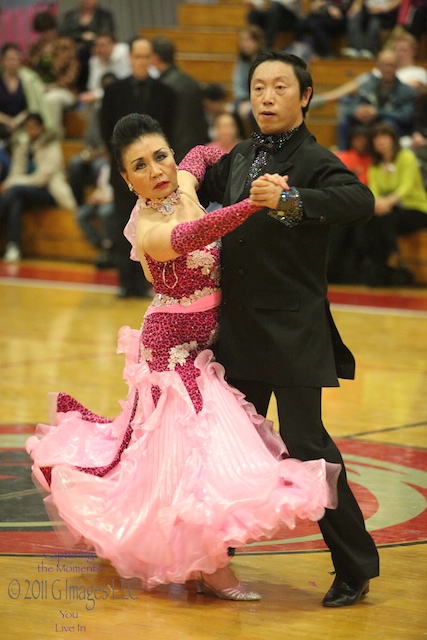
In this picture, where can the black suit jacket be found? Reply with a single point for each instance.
(118, 101)
(275, 321)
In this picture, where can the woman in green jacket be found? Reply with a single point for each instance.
(395, 180)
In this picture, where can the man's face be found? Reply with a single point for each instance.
(33, 129)
(141, 58)
(387, 64)
(405, 52)
(104, 46)
(275, 97)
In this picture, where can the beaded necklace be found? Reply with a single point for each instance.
(166, 205)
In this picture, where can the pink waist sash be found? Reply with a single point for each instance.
(202, 304)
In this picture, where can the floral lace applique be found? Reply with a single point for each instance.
(179, 354)
(201, 259)
(146, 354)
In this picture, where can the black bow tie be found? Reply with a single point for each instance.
(273, 142)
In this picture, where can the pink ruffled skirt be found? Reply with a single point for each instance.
(162, 491)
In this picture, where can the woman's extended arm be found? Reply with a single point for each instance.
(166, 241)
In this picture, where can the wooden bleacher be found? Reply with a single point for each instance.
(206, 38)
(52, 232)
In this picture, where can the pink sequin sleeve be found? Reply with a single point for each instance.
(198, 159)
(196, 234)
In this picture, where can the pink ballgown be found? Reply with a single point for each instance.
(187, 469)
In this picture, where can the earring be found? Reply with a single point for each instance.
(130, 187)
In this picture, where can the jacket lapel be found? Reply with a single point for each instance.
(239, 172)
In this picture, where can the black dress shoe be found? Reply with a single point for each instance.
(342, 594)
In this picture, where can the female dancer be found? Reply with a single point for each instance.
(187, 469)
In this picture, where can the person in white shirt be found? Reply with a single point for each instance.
(108, 56)
(96, 217)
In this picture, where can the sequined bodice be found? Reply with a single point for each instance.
(187, 278)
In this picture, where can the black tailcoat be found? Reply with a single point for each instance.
(276, 331)
(275, 320)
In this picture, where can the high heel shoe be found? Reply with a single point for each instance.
(239, 592)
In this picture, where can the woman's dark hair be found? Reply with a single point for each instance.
(257, 35)
(214, 92)
(384, 128)
(237, 121)
(164, 48)
(10, 46)
(44, 21)
(129, 129)
(298, 65)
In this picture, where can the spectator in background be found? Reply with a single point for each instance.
(190, 128)
(96, 217)
(408, 71)
(4, 164)
(214, 102)
(405, 46)
(61, 94)
(36, 177)
(90, 170)
(84, 167)
(21, 91)
(383, 98)
(358, 158)
(82, 25)
(227, 132)
(345, 259)
(395, 180)
(365, 20)
(419, 147)
(325, 19)
(278, 15)
(108, 56)
(250, 44)
(139, 93)
(418, 25)
(39, 55)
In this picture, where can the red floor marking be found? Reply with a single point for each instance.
(16, 429)
(361, 456)
(389, 300)
(64, 273)
(38, 542)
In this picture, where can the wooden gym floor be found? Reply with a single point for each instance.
(58, 329)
